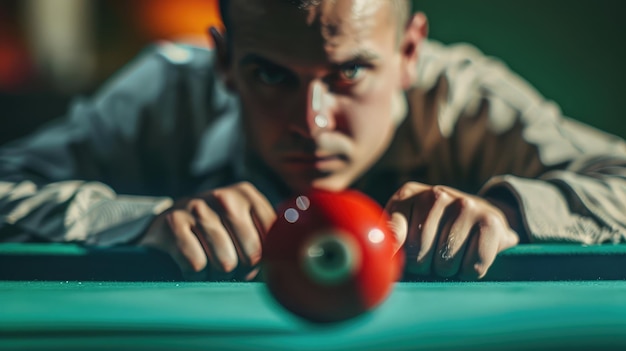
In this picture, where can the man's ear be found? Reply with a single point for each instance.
(414, 34)
(223, 62)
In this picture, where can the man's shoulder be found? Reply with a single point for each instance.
(174, 56)
(165, 58)
(160, 68)
(471, 75)
(182, 54)
(437, 59)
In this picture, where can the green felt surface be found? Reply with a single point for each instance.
(543, 262)
(241, 316)
(528, 249)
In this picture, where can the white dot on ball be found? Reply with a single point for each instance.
(291, 215)
(321, 121)
(376, 236)
(303, 203)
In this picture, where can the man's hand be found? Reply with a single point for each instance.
(223, 227)
(448, 233)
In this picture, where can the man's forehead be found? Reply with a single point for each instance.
(339, 26)
(351, 17)
(257, 7)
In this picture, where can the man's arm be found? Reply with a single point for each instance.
(566, 180)
(64, 183)
(497, 164)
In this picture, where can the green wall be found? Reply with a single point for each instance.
(573, 52)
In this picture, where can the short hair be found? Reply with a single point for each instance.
(401, 9)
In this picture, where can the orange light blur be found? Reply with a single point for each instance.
(169, 19)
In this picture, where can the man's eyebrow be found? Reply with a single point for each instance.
(361, 56)
(252, 59)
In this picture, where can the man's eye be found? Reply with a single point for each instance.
(271, 76)
(351, 72)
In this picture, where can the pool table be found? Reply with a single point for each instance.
(537, 297)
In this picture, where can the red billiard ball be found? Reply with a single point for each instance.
(330, 256)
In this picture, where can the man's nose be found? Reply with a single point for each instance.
(317, 115)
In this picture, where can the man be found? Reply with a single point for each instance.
(190, 150)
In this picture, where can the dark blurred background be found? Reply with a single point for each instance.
(572, 51)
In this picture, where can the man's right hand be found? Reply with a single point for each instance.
(223, 228)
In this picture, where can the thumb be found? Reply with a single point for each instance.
(399, 226)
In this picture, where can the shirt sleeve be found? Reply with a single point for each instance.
(567, 179)
(61, 183)
(583, 201)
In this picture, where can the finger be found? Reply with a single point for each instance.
(247, 216)
(453, 238)
(398, 224)
(399, 213)
(218, 243)
(252, 275)
(422, 263)
(511, 238)
(408, 191)
(261, 210)
(245, 236)
(481, 254)
(469, 270)
(421, 206)
(401, 210)
(187, 252)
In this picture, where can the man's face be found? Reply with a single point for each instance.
(317, 86)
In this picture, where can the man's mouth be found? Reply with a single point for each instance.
(314, 161)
